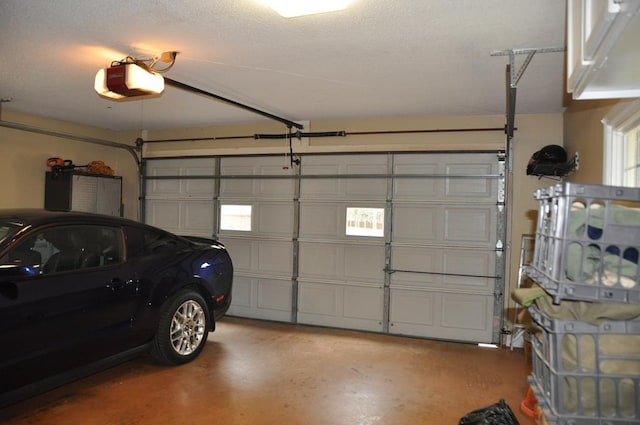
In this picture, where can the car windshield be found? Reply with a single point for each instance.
(7, 229)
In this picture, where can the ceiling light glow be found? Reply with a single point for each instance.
(293, 8)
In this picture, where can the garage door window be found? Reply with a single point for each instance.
(365, 221)
(235, 217)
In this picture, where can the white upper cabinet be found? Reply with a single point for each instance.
(603, 48)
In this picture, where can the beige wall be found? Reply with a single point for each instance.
(24, 155)
(583, 133)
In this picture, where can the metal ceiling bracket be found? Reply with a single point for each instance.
(515, 76)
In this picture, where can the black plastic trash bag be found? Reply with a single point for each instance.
(497, 414)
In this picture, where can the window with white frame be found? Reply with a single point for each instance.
(622, 145)
(235, 217)
(365, 221)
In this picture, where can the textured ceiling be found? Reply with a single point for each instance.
(377, 58)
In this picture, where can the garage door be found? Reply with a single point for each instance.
(262, 246)
(443, 250)
(391, 242)
(341, 273)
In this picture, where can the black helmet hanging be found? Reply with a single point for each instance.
(551, 154)
(548, 161)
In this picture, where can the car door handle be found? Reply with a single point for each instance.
(118, 284)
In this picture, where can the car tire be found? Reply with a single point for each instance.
(182, 329)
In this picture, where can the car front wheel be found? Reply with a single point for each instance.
(182, 329)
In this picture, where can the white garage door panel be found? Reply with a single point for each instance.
(240, 294)
(180, 164)
(445, 224)
(357, 188)
(198, 218)
(465, 312)
(198, 187)
(194, 218)
(417, 223)
(181, 187)
(460, 317)
(470, 224)
(274, 258)
(322, 220)
(417, 188)
(261, 188)
(275, 187)
(241, 253)
(259, 298)
(344, 188)
(341, 306)
(362, 262)
(273, 219)
(478, 266)
(164, 214)
(330, 261)
(321, 188)
(426, 267)
(260, 257)
(412, 308)
(319, 260)
(164, 187)
(344, 164)
(467, 188)
(362, 302)
(236, 187)
(315, 299)
(482, 189)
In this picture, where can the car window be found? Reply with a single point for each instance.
(143, 242)
(66, 248)
(8, 229)
(22, 253)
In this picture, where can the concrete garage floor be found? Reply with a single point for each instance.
(255, 372)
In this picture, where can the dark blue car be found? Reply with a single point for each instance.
(79, 292)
